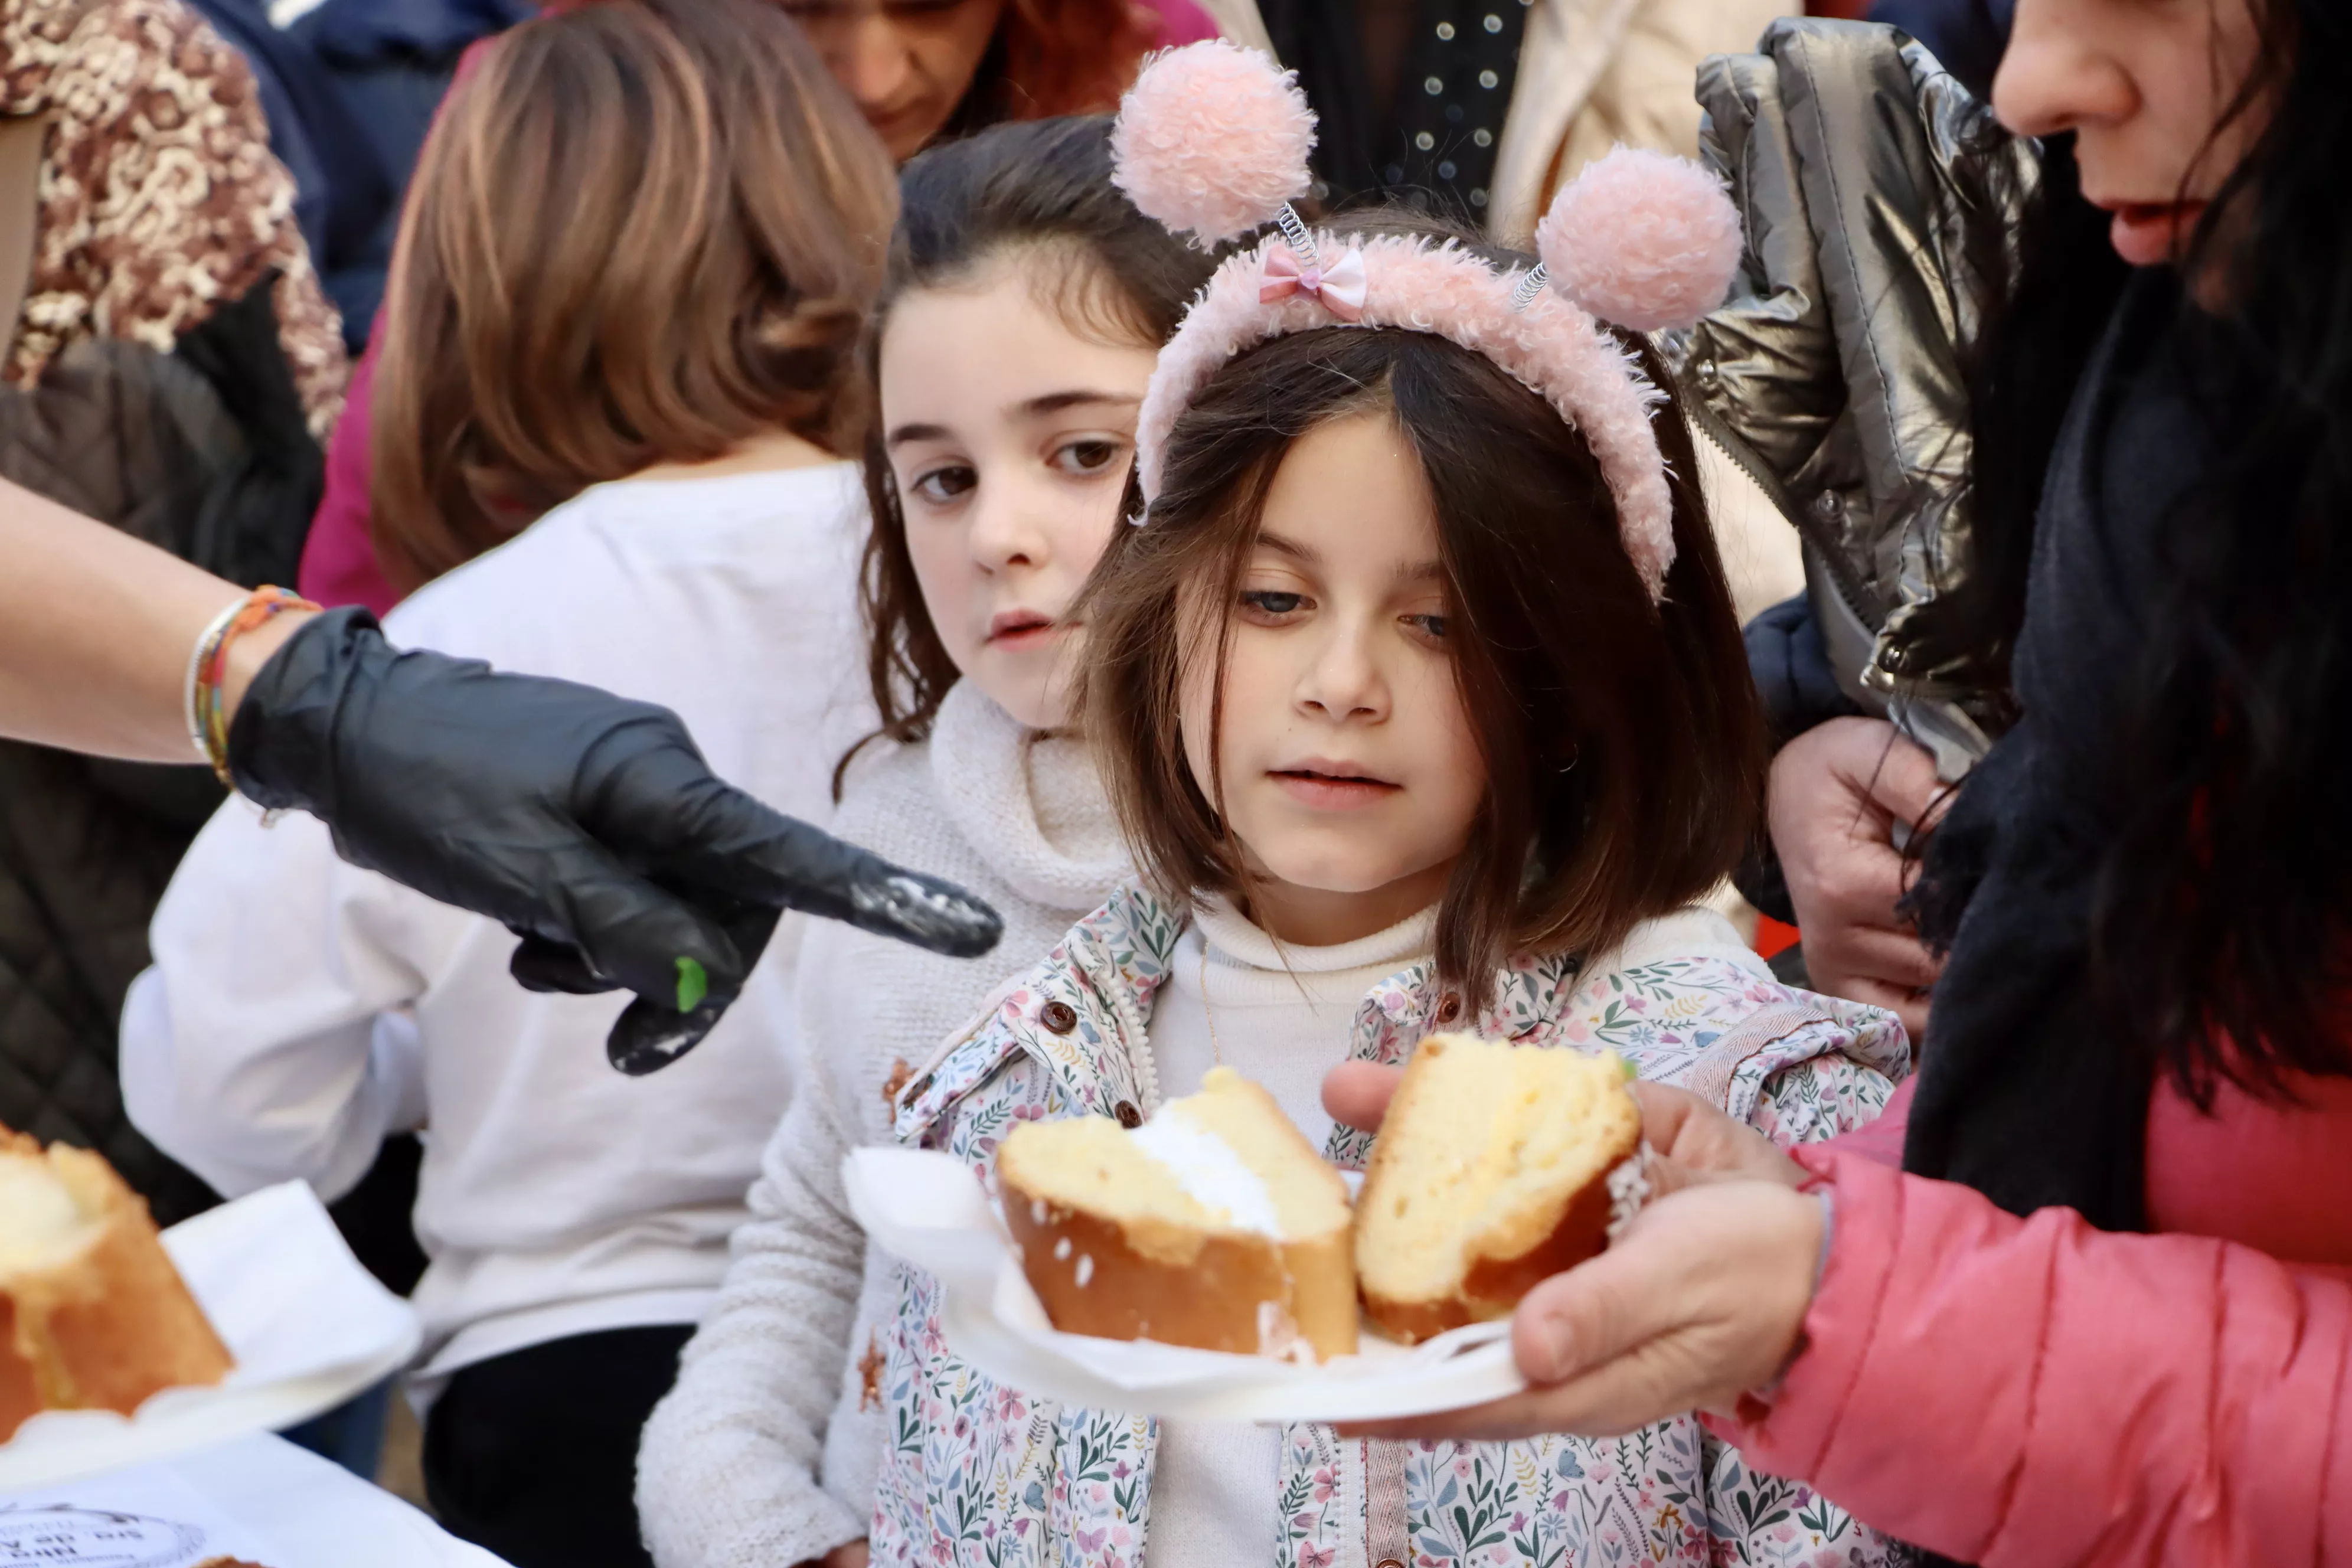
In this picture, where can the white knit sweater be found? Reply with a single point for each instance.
(764, 1453)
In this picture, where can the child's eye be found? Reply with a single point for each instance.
(940, 486)
(1090, 455)
(1431, 626)
(1271, 604)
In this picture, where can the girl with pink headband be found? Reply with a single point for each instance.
(1419, 697)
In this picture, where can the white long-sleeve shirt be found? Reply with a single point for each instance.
(300, 1009)
(1281, 1015)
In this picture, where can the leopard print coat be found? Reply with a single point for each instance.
(159, 196)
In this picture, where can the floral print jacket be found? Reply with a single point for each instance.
(978, 1474)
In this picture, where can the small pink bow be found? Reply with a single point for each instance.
(1340, 285)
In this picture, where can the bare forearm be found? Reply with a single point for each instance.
(95, 633)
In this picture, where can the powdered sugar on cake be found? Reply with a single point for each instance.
(1212, 1174)
(39, 1222)
(1278, 1336)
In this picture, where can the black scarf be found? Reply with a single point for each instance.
(2026, 1093)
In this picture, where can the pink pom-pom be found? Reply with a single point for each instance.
(1643, 239)
(1213, 139)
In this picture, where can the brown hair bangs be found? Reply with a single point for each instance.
(1622, 742)
(1040, 194)
(642, 231)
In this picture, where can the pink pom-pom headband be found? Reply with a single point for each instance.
(1550, 346)
(1213, 139)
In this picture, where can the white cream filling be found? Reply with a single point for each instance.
(1210, 1172)
(40, 1224)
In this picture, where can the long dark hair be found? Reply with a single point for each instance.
(2218, 923)
(1622, 742)
(1042, 188)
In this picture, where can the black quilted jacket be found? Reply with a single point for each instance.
(203, 452)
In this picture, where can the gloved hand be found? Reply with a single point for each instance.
(588, 824)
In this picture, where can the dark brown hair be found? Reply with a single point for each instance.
(1623, 749)
(641, 231)
(1042, 189)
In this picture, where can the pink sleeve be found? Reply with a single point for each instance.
(2021, 1392)
(1181, 23)
(339, 559)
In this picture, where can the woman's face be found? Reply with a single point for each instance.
(1010, 437)
(2142, 84)
(1348, 769)
(907, 62)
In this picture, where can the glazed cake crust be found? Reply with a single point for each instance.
(107, 1326)
(1118, 1246)
(1094, 1279)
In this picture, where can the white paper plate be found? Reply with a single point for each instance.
(926, 1209)
(308, 1328)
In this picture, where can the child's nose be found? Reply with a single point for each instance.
(1003, 532)
(1343, 680)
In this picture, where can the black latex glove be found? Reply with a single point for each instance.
(588, 824)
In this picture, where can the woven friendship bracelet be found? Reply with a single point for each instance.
(208, 667)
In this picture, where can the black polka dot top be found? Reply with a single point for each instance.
(1434, 143)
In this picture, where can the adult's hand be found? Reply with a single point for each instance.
(587, 824)
(1837, 792)
(1700, 1300)
(1357, 1094)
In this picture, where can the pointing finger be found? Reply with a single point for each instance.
(784, 862)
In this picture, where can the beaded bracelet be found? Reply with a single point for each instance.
(208, 667)
(206, 642)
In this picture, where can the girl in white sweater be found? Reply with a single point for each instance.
(1025, 303)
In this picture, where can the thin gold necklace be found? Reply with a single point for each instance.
(1208, 1012)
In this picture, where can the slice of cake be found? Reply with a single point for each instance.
(1492, 1171)
(92, 1314)
(1213, 1225)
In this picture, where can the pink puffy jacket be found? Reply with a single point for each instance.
(2031, 1392)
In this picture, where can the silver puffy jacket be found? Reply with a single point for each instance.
(1878, 196)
